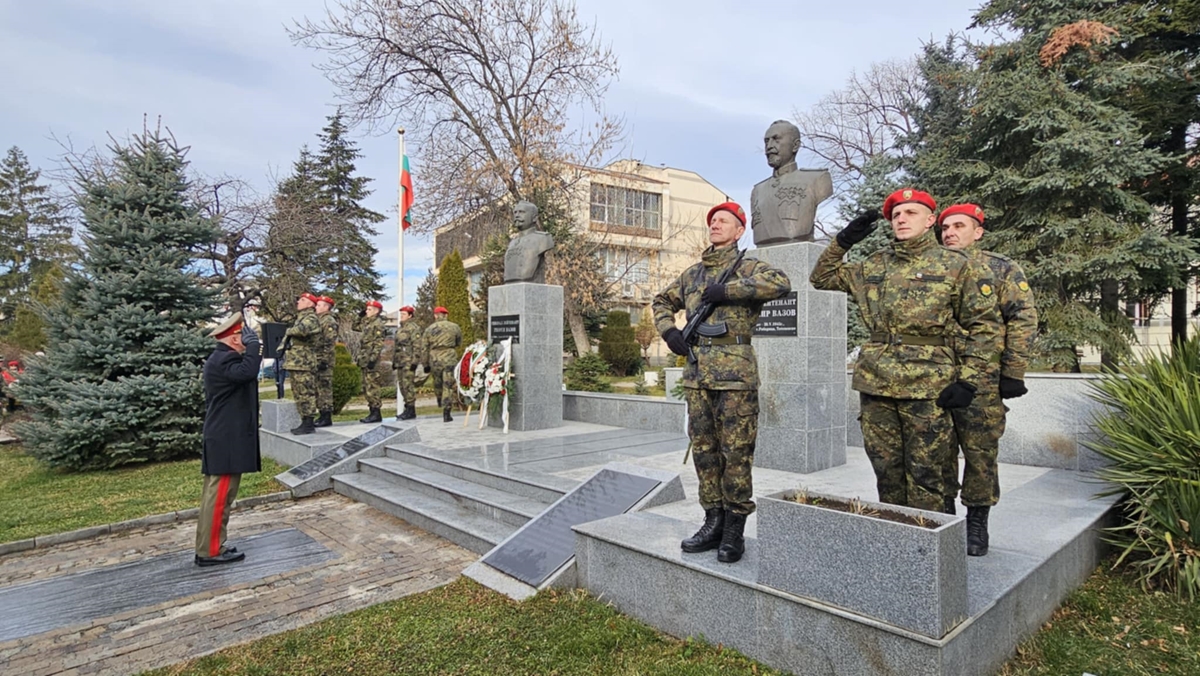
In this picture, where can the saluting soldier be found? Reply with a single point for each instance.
(442, 340)
(369, 352)
(979, 426)
(409, 351)
(721, 387)
(305, 339)
(915, 297)
(325, 360)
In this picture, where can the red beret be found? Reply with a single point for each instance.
(441, 310)
(971, 210)
(14, 363)
(311, 297)
(905, 196)
(326, 299)
(732, 207)
(409, 309)
(375, 303)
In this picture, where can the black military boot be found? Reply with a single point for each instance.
(709, 535)
(372, 417)
(446, 414)
(977, 535)
(306, 426)
(439, 401)
(410, 412)
(949, 504)
(325, 420)
(733, 545)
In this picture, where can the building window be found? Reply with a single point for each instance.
(626, 211)
(628, 270)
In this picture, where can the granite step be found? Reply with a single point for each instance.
(465, 527)
(544, 488)
(500, 505)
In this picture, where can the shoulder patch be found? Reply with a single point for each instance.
(985, 287)
(1023, 285)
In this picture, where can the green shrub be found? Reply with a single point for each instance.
(347, 378)
(587, 372)
(618, 346)
(1151, 436)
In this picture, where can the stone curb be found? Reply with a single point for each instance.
(52, 539)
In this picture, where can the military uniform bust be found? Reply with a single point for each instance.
(784, 207)
(525, 260)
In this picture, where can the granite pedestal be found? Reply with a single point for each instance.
(536, 401)
(803, 383)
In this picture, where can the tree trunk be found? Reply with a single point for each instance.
(578, 329)
(1110, 297)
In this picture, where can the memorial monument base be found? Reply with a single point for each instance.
(532, 315)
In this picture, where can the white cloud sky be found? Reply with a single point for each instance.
(700, 81)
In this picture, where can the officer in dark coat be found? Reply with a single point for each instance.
(230, 434)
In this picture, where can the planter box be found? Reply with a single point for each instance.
(906, 575)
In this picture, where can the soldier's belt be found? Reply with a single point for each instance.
(703, 341)
(902, 339)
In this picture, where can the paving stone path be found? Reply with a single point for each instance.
(379, 558)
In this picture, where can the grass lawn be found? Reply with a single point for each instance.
(35, 500)
(464, 628)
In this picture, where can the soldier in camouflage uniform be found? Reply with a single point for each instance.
(325, 359)
(721, 386)
(979, 426)
(369, 352)
(408, 353)
(304, 338)
(915, 297)
(442, 339)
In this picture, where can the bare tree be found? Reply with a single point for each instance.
(234, 259)
(868, 117)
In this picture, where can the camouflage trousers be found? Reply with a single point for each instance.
(405, 385)
(325, 389)
(723, 427)
(978, 429)
(908, 442)
(444, 386)
(304, 391)
(372, 382)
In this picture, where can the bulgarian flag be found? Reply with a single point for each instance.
(406, 194)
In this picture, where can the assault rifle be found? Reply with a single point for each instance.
(280, 352)
(696, 326)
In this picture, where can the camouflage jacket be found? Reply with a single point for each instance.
(441, 343)
(370, 350)
(1017, 309)
(329, 332)
(917, 288)
(306, 338)
(722, 367)
(410, 345)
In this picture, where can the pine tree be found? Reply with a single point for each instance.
(34, 236)
(28, 330)
(120, 382)
(426, 300)
(452, 294)
(295, 236)
(618, 346)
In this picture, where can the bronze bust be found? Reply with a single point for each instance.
(783, 208)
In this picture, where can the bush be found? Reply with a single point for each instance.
(586, 373)
(347, 378)
(618, 346)
(1152, 439)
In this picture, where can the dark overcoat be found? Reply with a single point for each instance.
(231, 412)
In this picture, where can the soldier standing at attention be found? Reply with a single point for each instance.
(442, 339)
(721, 386)
(369, 351)
(325, 358)
(980, 425)
(409, 351)
(916, 299)
(304, 337)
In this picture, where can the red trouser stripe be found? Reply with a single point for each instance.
(214, 542)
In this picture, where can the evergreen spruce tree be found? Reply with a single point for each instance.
(34, 237)
(120, 382)
(426, 300)
(296, 233)
(28, 330)
(452, 294)
(618, 346)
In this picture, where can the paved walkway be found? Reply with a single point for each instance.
(379, 558)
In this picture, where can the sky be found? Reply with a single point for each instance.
(700, 81)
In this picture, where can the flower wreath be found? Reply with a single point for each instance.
(469, 373)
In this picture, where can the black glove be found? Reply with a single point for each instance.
(322, 365)
(412, 368)
(248, 334)
(674, 339)
(362, 312)
(1012, 387)
(858, 229)
(427, 369)
(956, 395)
(371, 365)
(715, 294)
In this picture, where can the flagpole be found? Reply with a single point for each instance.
(400, 253)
